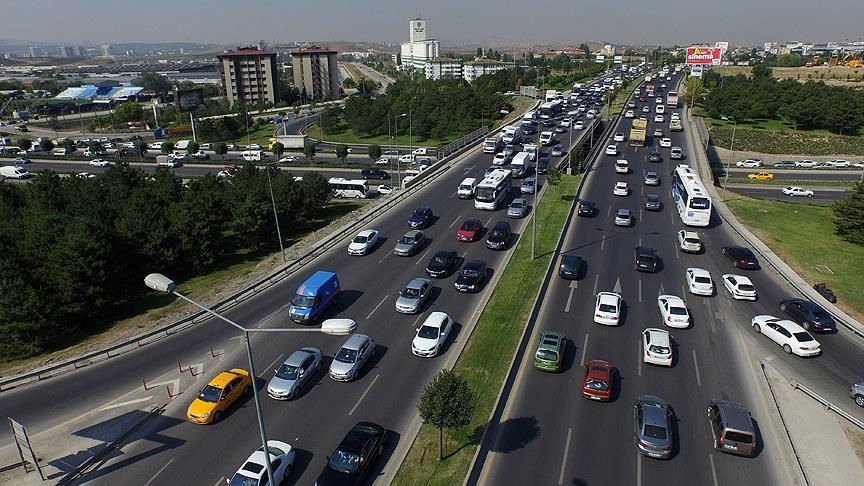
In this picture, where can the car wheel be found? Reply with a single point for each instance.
(723, 251)
(807, 325)
(787, 348)
(859, 400)
(247, 391)
(217, 417)
(756, 328)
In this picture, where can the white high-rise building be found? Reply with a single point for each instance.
(419, 48)
(443, 68)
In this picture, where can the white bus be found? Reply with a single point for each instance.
(691, 199)
(356, 188)
(493, 189)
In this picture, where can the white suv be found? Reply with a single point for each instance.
(689, 241)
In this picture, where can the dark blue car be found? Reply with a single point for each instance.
(421, 218)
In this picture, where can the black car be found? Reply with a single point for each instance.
(529, 129)
(542, 164)
(586, 208)
(354, 456)
(741, 257)
(560, 129)
(571, 266)
(471, 276)
(499, 237)
(374, 174)
(510, 150)
(645, 259)
(421, 218)
(442, 263)
(808, 314)
(652, 202)
(655, 157)
(549, 123)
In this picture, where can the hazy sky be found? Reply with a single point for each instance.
(490, 22)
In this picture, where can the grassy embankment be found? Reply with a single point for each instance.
(486, 359)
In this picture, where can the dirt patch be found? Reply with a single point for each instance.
(856, 440)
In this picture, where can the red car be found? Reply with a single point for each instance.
(231, 168)
(470, 230)
(599, 380)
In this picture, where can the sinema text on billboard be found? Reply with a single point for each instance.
(706, 56)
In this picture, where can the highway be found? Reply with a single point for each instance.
(374, 75)
(170, 449)
(780, 175)
(549, 434)
(821, 194)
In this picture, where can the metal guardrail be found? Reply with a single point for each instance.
(792, 449)
(462, 141)
(828, 405)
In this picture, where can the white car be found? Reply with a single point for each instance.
(629, 114)
(622, 166)
(607, 308)
(382, 161)
(673, 311)
(699, 281)
(796, 191)
(658, 100)
(739, 286)
(254, 470)
(749, 163)
(807, 164)
(499, 159)
(841, 164)
(289, 159)
(578, 125)
(793, 338)
(612, 150)
(385, 189)
(432, 335)
(658, 132)
(407, 158)
(99, 163)
(224, 174)
(623, 217)
(170, 162)
(658, 118)
(657, 347)
(675, 116)
(618, 137)
(665, 142)
(565, 122)
(621, 189)
(85, 175)
(689, 241)
(364, 242)
(253, 146)
(646, 109)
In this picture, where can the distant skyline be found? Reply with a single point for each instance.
(492, 23)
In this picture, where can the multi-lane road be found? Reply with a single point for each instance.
(549, 434)
(800, 177)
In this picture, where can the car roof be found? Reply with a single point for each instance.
(699, 272)
(740, 279)
(446, 251)
(623, 211)
(468, 180)
(571, 256)
(654, 410)
(550, 340)
(417, 282)
(297, 357)
(356, 438)
(413, 233)
(734, 414)
(355, 341)
(435, 319)
(519, 199)
(501, 225)
(475, 263)
(367, 232)
(658, 336)
(645, 250)
(223, 378)
(621, 183)
(690, 234)
(790, 326)
(599, 368)
(609, 297)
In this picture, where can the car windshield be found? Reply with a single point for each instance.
(469, 225)
(210, 394)
(410, 293)
(344, 461)
(241, 480)
(360, 239)
(658, 349)
(608, 308)
(655, 432)
(746, 287)
(287, 372)
(678, 311)
(691, 241)
(547, 355)
(596, 385)
(517, 205)
(702, 280)
(346, 355)
(440, 258)
(303, 300)
(497, 234)
(803, 337)
(428, 332)
(470, 272)
(406, 240)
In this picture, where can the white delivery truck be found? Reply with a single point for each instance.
(520, 164)
(512, 134)
(15, 172)
(251, 155)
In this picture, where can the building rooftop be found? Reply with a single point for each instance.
(317, 50)
(247, 51)
(444, 59)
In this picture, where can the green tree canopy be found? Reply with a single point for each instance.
(446, 402)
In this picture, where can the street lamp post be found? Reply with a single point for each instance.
(396, 149)
(161, 283)
(731, 156)
(275, 216)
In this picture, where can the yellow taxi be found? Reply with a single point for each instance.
(218, 395)
(760, 176)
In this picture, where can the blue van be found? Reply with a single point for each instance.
(313, 297)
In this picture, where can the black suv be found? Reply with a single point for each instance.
(809, 314)
(442, 263)
(645, 259)
(741, 257)
(586, 208)
(471, 276)
(355, 455)
(499, 237)
(374, 174)
(571, 266)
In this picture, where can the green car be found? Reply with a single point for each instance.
(549, 352)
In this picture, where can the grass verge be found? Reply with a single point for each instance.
(486, 359)
(812, 242)
(344, 134)
(622, 95)
(777, 137)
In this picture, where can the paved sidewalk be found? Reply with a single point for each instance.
(821, 438)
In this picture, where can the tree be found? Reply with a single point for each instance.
(25, 143)
(278, 150)
(167, 147)
(553, 175)
(151, 80)
(693, 90)
(141, 148)
(69, 145)
(221, 149)
(374, 151)
(130, 111)
(46, 145)
(95, 146)
(309, 150)
(342, 152)
(193, 147)
(446, 402)
(849, 215)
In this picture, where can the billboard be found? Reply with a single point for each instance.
(722, 45)
(703, 56)
(189, 99)
(696, 71)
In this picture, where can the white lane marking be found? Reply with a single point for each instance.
(617, 288)
(671, 217)
(713, 469)
(123, 404)
(363, 395)
(278, 358)
(596, 279)
(220, 482)
(640, 214)
(608, 211)
(584, 348)
(603, 243)
(385, 257)
(661, 289)
(417, 320)
(376, 307)
(641, 359)
(640, 289)
(423, 256)
(451, 196)
(683, 291)
(455, 220)
(640, 241)
(566, 452)
(696, 367)
(638, 469)
(678, 254)
(149, 481)
(490, 221)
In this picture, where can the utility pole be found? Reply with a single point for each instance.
(731, 157)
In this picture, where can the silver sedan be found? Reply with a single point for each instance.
(412, 298)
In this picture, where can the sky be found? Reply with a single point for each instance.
(486, 22)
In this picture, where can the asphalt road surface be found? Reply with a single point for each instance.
(821, 194)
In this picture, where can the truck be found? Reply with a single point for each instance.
(313, 297)
(551, 95)
(520, 164)
(251, 155)
(637, 133)
(292, 141)
(672, 99)
(649, 89)
(512, 134)
(532, 150)
(492, 144)
(675, 126)
(15, 172)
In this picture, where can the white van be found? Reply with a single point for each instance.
(60, 152)
(182, 144)
(467, 188)
(15, 172)
(410, 174)
(546, 138)
(251, 155)
(421, 151)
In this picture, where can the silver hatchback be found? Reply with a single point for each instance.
(412, 298)
(652, 426)
(295, 373)
(518, 208)
(351, 358)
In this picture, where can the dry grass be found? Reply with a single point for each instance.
(856, 440)
(832, 75)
